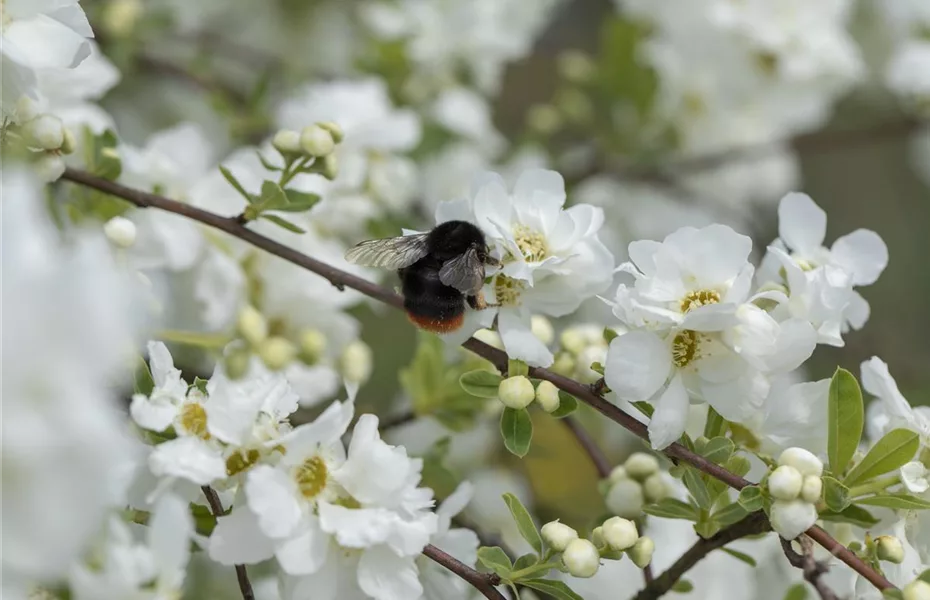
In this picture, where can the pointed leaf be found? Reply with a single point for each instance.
(835, 494)
(524, 522)
(740, 556)
(527, 560)
(751, 498)
(896, 501)
(266, 163)
(495, 559)
(718, 449)
(852, 514)
(298, 201)
(695, 484)
(844, 421)
(481, 383)
(235, 183)
(567, 405)
(556, 589)
(282, 223)
(671, 508)
(272, 197)
(730, 514)
(893, 451)
(683, 586)
(715, 425)
(517, 430)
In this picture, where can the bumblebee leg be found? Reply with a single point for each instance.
(477, 302)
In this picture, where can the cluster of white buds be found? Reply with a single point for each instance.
(518, 392)
(278, 351)
(47, 137)
(795, 485)
(634, 483)
(582, 557)
(317, 142)
(582, 346)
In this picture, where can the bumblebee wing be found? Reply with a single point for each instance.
(389, 253)
(464, 272)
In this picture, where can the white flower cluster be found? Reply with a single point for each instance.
(907, 72)
(700, 328)
(551, 256)
(582, 557)
(795, 486)
(634, 483)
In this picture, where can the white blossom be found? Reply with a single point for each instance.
(438, 582)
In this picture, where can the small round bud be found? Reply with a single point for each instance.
(558, 535)
(564, 364)
(802, 460)
(597, 536)
(286, 141)
(489, 337)
(516, 392)
(312, 345)
(587, 357)
(120, 16)
(573, 340)
(785, 483)
(656, 488)
(576, 66)
(236, 362)
(356, 362)
(625, 499)
(334, 130)
(581, 558)
(640, 465)
(889, 548)
(46, 132)
(330, 166)
(620, 533)
(316, 141)
(791, 518)
(26, 109)
(49, 167)
(252, 325)
(544, 119)
(641, 552)
(917, 590)
(811, 488)
(121, 231)
(542, 329)
(618, 473)
(276, 352)
(548, 396)
(68, 144)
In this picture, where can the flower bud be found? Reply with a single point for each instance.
(791, 518)
(356, 362)
(587, 357)
(656, 488)
(641, 552)
(564, 364)
(581, 558)
(330, 167)
(286, 141)
(558, 535)
(68, 143)
(252, 325)
(889, 548)
(548, 396)
(276, 352)
(917, 590)
(597, 537)
(49, 167)
(236, 362)
(312, 345)
(575, 66)
(121, 231)
(802, 460)
(46, 132)
(620, 533)
(120, 16)
(489, 337)
(516, 392)
(544, 118)
(316, 141)
(573, 340)
(640, 465)
(26, 109)
(334, 130)
(625, 499)
(542, 329)
(618, 473)
(785, 483)
(810, 490)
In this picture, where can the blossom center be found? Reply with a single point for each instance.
(507, 290)
(311, 477)
(193, 419)
(240, 461)
(698, 298)
(531, 243)
(684, 348)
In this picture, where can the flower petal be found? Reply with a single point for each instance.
(169, 533)
(538, 197)
(519, 341)
(190, 458)
(306, 552)
(154, 414)
(271, 495)
(802, 225)
(385, 576)
(915, 477)
(374, 471)
(638, 363)
(670, 418)
(237, 539)
(863, 253)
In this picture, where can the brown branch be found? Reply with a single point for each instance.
(754, 524)
(813, 570)
(216, 507)
(206, 83)
(601, 463)
(483, 582)
(497, 357)
(398, 420)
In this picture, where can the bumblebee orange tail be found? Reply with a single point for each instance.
(437, 325)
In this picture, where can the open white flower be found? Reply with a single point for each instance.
(552, 258)
(915, 477)
(438, 582)
(891, 410)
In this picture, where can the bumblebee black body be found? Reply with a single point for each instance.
(440, 271)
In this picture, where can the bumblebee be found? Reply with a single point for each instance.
(440, 271)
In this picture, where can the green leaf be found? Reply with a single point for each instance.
(729, 514)
(481, 383)
(266, 163)
(524, 522)
(517, 367)
(517, 430)
(695, 484)
(495, 559)
(715, 426)
(751, 498)
(610, 334)
(683, 586)
(557, 589)
(527, 560)
(796, 592)
(200, 384)
(896, 501)
(567, 405)
(235, 183)
(644, 407)
(671, 508)
(925, 576)
(100, 154)
(844, 421)
(597, 368)
(718, 450)
(298, 201)
(852, 514)
(272, 197)
(740, 556)
(893, 451)
(435, 474)
(282, 223)
(835, 494)
(143, 382)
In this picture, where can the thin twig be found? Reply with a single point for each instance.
(753, 524)
(601, 463)
(206, 83)
(483, 582)
(394, 421)
(497, 357)
(813, 570)
(216, 507)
